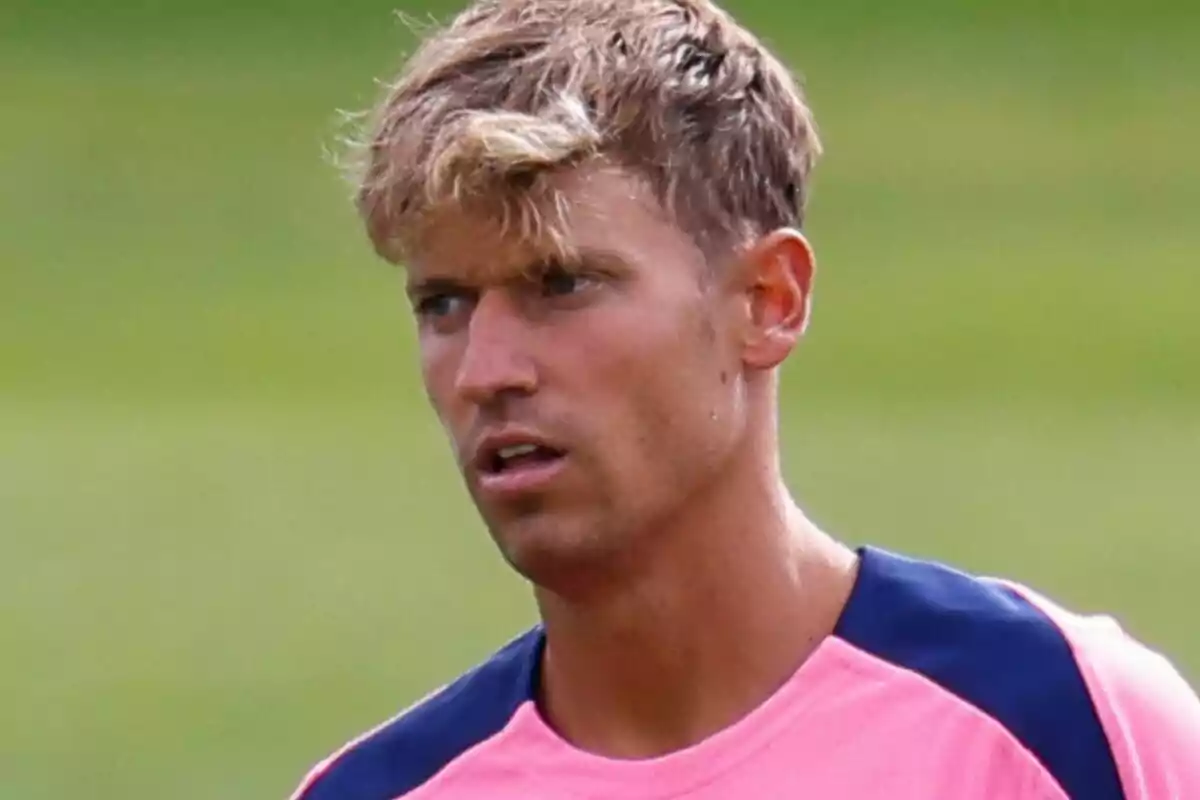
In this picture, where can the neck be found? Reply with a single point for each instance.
(739, 591)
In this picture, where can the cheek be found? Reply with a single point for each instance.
(688, 399)
(438, 372)
(659, 388)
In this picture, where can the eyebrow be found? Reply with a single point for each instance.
(420, 287)
(581, 259)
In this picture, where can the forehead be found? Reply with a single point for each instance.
(588, 213)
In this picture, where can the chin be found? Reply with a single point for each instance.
(557, 553)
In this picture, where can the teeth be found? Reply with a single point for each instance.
(515, 450)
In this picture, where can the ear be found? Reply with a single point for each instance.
(778, 277)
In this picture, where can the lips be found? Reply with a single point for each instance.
(513, 462)
(520, 456)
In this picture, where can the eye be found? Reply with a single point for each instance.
(559, 282)
(440, 304)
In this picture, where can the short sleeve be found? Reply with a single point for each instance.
(1150, 715)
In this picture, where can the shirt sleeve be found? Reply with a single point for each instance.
(1149, 712)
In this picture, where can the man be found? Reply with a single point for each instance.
(598, 203)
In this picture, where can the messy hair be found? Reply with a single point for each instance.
(511, 92)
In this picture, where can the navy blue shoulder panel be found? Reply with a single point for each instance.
(408, 751)
(993, 649)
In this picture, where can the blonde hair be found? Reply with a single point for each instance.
(513, 91)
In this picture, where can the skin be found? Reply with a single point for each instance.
(678, 581)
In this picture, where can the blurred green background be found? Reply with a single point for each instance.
(230, 534)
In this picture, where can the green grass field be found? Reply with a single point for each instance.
(230, 533)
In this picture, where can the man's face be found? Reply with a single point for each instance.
(586, 400)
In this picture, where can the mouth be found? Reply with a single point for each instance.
(511, 466)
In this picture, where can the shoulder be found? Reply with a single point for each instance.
(1035, 669)
(1150, 714)
(403, 753)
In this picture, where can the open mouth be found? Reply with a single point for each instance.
(519, 457)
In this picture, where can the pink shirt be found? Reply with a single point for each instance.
(935, 685)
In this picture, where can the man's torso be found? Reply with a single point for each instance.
(934, 685)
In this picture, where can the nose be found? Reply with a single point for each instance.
(495, 361)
